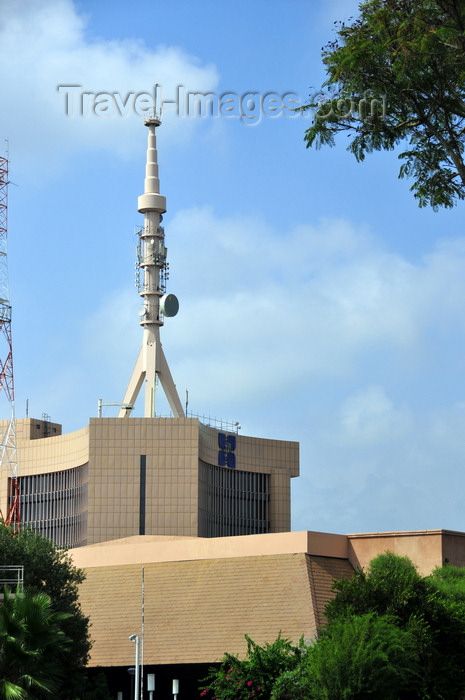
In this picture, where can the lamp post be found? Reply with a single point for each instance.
(175, 688)
(134, 638)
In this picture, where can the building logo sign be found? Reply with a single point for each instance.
(226, 453)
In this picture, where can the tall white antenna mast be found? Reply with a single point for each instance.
(152, 269)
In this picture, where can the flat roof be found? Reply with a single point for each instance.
(143, 549)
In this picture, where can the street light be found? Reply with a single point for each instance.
(175, 688)
(134, 638)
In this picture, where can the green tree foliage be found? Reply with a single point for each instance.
(31, 637)
(390, 586)
(434, 618)
(294, 684)
(97, 688)
(357, 657)
(362, 656)
(51, 571)
(391, 634)
(253, 677)
(396, 76)
(450, 581)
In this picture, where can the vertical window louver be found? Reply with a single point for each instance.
(55, 505)
(232, 502)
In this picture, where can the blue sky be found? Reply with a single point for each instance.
(317, 302)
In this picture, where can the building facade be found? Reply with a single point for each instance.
(200, 597)
(119, 477)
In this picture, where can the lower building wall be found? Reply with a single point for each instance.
(426, 548)
(202, 596)
(196, 610)
(453, 548)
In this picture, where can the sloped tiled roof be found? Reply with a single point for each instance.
(194, 611)
(323, 571)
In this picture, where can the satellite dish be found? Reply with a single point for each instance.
(142, 311)
(169, 305)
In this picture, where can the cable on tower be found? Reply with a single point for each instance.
(8, 459)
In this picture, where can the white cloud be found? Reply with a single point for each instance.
(299, 305)
(109, 334)
(369, 416)
(382, 467)
(44, 45)
(273, 315)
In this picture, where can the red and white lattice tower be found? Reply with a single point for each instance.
(8, 459)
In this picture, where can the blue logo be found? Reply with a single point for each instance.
(227, 445)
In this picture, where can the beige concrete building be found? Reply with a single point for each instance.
(119, 477)
(201, 596)
(183, 532)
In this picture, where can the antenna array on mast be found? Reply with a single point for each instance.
(8, 458)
